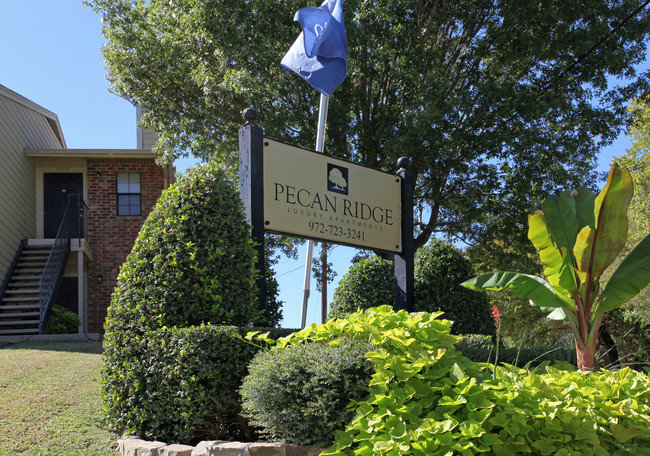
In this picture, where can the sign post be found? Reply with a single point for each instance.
(299, 192)
(404, 262)
(251, 191)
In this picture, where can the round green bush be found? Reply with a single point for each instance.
(440, 268)
(368, 283)
(193, 261)
(301, 393)
(63, 321)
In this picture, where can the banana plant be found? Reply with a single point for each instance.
(578, 236)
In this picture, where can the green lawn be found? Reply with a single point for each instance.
(50, 399)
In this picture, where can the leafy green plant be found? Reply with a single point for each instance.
(300, 393)
(426, 398)
(63, 321)
(578, 235)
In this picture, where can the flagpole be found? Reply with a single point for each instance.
(320, 146)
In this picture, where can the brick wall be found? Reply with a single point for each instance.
(111, 236)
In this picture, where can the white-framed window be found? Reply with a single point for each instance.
(128, 193)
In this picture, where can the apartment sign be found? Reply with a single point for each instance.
(312, 195)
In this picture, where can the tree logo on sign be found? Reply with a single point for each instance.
(337, 179)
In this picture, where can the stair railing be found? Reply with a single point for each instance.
(72, 224)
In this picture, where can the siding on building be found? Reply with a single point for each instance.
(146, 138)
(23, 124)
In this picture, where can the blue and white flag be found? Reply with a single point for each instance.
(320, 54)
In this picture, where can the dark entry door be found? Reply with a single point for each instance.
(56, 188)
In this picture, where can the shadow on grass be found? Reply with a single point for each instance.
(59, 345)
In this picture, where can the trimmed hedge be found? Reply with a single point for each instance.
(440, 268)
(192, 262)
(300, 394)
(368, 283)
(168, 372)
(179, 384)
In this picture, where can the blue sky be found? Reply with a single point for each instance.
(50, 53)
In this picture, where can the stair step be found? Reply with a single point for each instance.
(18, 299)
(20, 307)
(15, 332)
(19, 322)
(19, 315)
(23, 278)
(22, 291)
(22, 264)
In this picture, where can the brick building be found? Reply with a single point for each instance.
(69, 217)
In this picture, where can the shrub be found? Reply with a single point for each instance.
(426, 398)
(178, 384)
(481, 348)
(440, 268)
(300, 394)
(192, 262)
(63, 321)
(368, 283)
(165, 376)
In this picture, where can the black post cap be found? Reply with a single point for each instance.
(403, 162)
(250, 114)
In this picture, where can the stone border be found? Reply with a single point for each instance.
(134, 446)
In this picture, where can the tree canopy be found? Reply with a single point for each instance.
(496, 102)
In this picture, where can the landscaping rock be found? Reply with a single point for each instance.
(297, 450)
(135, 446)
(266, 449)
(229, 449)
(202, 449)
(138, 447)
(175, 450)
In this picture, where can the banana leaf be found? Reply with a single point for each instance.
(559, 267)
(525, 286)
(596, 247)
(631, 276)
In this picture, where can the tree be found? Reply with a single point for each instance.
(631, 325)
(578, 236)
(496, 102)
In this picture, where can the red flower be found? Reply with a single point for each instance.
(496, 315)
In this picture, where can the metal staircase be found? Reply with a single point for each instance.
(32, 283)
(20, 309)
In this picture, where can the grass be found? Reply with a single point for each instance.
(50, 400)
